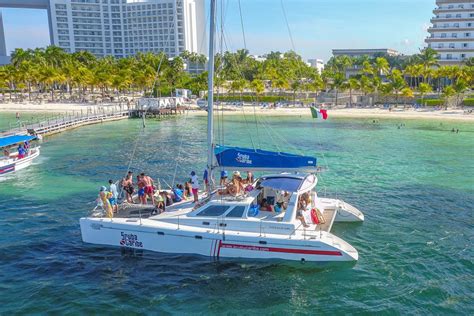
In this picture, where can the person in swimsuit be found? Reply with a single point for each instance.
(195, 186)
(264, 206)
(141, 190)
(127, 186)
(149, 188)
(104, 198)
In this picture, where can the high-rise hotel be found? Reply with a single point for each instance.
(125, 27)
(121, 27)
(452, 32)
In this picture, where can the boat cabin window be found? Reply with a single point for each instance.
(214, 210)
(237, 211)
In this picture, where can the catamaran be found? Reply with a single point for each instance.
(16, 160)
(233, 227)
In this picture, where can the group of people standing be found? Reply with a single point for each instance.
(237, 184)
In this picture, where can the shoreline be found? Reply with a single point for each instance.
(371, 113)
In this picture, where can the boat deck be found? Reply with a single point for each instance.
(329, 216)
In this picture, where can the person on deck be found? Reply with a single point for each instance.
(149, 188)
(195, 186)
(205, 179)
(178, 193)
(113, 199)
(141, 190)
(304, 201)
(104, 198)
(188, 189)
(127, 186)
(264, 206)
(21, 152)
(223, 177)
(249, 179)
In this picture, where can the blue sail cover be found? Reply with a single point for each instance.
(255, 159)
(15, 139)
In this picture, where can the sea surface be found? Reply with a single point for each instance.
(413, 179)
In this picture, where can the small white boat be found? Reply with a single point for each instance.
(14, 161)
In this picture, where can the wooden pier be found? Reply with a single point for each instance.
(75, 119)
(158, 113)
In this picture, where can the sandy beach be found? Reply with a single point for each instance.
(450, 114)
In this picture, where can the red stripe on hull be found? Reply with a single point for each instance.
(7, 169)
(283, 250)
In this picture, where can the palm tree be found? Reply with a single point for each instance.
(381, 66)
(428, 57)
(352, 84)
(338, 84)
(397, 82)
(424, 89)
(258, 87)
(460, 86)
(407, 92)
(448, 92)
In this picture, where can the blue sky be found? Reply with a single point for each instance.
(317, 26)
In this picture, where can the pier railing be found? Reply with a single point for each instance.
(57, 122)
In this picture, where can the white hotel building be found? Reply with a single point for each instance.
(452, 32)
(126, 27)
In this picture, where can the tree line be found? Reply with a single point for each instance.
(80, 74)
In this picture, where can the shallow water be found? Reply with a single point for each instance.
(414, 185)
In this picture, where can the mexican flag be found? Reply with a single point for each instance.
(319, 113)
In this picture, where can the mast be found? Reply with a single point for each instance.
(210, 92)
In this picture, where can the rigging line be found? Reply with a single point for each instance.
(270, 135)
(221, 130)
(180, 149)
(242, 25)
(287, 25)
(247, 125)
(283, 139)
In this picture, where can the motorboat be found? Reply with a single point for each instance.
(239, 225)
(12, 160)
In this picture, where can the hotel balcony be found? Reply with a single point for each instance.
(448, 39)
(450, 28)
(437, 20)
(455, 10)
(449, 50)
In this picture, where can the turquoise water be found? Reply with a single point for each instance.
(8, 120)
(414, 185)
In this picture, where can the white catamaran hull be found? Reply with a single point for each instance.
(345, 211)
(14, 164)
(170, 238)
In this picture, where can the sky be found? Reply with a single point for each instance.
(316, 26)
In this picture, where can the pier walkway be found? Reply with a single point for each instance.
(88, 116)
(73, 119)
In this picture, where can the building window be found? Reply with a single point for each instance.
(454, 35)
(456, 24)
(467, 34)
(443, 35)
(451, 45)
(465, 45)
(449, 56)
(440, 45)
(458, 15)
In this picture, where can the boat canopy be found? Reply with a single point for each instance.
(15, 139)
(290, 182)
(237, 158)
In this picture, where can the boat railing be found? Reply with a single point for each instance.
(294, 230)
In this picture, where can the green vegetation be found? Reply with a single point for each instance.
(431, 102)
(468, 102)
(79, 75)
